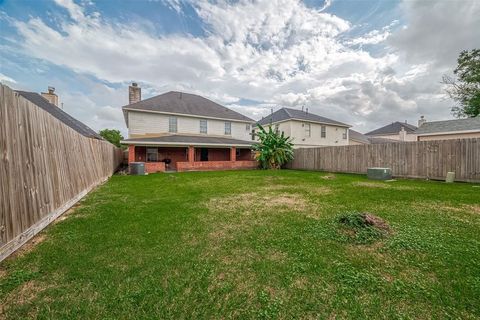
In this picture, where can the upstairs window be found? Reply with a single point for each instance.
(277, 126)
(247, 127)
(152, 155)
(172, 124)
(307, 130)
(228, 128)
(203, 126)
(345, 134)
(323, 132)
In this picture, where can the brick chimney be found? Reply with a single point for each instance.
(134, 93)
(421, 121)
(51, 96)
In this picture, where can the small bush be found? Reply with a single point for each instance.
(361, 228)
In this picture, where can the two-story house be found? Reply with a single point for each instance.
(182, 131)
(307, 129)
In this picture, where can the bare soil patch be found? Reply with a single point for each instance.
(29, 246)
(381, 185)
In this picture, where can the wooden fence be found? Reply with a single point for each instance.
(423, 159)
(45, 167)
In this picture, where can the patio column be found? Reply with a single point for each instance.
(131, 153)
(233, 154)
(191, 154)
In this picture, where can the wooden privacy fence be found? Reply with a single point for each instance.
(422, 159)
(45, 168)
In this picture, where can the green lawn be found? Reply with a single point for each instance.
(253, 244)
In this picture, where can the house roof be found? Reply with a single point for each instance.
(188, 104)
(58, 113)
(188, 140)
(468, 124)
(357, 136)
(290, 114)
(393, 128)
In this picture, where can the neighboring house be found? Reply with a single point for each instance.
(43, 102)
(449, 129)
(307, 129)
(181, 131)
(399, 131)
(357, 138)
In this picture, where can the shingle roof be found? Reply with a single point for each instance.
(288, 113)
(186, 140)
(393, 128)
(450, 126)
(59, 114)
(355, 135)
(186, 103)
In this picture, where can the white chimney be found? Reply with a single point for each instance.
(51, 96)
(421, 121)
(134, 93)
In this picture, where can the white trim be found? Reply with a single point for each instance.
(447, 133)
(310, 121)
(184, 144)
(189, 115)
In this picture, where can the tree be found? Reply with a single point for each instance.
(464, 88)
(113, 136)
(273, 150)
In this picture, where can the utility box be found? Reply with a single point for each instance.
(379, 173)
(137, 168)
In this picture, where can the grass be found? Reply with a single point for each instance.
(253, 244)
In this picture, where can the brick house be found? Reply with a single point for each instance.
(177, 131)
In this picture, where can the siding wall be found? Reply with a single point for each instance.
(296, 130)
(449, 136)
(153, 124)
(45, 167)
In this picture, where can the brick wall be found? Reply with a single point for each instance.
(152, 167)
(216, 165)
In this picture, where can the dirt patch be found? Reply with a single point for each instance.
(472, 208)
(251, 202)
(362, 227)
(381, 185)
(377, 222)
(329, 176)
(442, 206)
(29, 246)
(67, 214)
(25, 294)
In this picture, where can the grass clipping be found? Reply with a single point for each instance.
(362, 227)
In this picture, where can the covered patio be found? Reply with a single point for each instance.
(190, 153)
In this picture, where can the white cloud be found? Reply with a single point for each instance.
(5, 78)
(274, 51)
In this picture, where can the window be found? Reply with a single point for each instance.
(323, 132)
(276, 127)
(247, 127)
(203, 126)
(152, 155)
(345, 134)
(307, 129)
(228, 128)
(172, 124)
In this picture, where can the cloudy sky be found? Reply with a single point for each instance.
(366, 63)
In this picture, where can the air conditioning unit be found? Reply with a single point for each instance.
(379, 173)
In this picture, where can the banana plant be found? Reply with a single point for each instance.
(273, 149)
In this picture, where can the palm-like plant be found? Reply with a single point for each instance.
(274, 149)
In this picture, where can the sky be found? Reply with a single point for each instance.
(365, 63)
